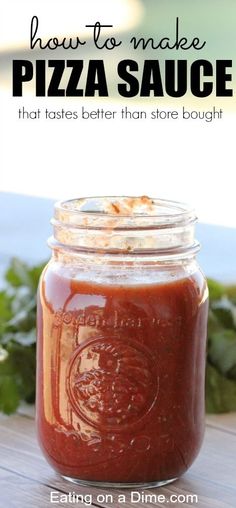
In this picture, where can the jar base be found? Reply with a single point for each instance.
(117, 485)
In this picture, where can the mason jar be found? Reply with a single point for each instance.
(122, 319)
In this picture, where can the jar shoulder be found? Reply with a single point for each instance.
(58, 281)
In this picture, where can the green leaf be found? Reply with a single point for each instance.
(216, 290)
(35, 274)
(19, 365)
(225, 311)
(3, 354)
(220, 392)
(5, 305)
(213, 323)
(23, 338)
(18, 335)
(23, 362)
(9, 394)
(23, 297)
(18, 273)
(5, 311)
(21, 274)
(23, 321)
(230, 291)
(222, 352)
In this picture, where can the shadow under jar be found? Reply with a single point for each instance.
(122, 317)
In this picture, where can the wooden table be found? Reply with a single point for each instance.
(26, 480)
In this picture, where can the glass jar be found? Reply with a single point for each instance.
(122, 318)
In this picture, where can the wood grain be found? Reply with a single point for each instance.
(27, 480)
(18, 491)
(225, 422)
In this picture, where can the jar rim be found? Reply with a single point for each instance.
(95, 212)
(87, 224)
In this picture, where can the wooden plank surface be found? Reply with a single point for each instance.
(28, 481)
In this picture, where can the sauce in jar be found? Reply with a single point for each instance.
(121, 352)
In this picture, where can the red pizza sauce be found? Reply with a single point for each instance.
(120, 387)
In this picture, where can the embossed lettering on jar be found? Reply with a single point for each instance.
(122, 315)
